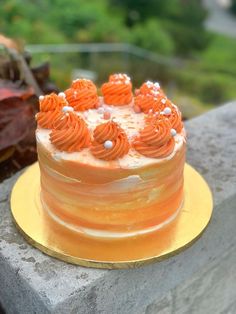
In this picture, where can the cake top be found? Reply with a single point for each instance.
(113, 125)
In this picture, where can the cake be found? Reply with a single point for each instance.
(111, 165)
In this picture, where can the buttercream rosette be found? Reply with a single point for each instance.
(82, 95)
(155, 139)
(109, 131)
(118, 90)
(70, 133)
(50, 107)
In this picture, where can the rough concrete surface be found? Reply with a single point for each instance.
(199, 280)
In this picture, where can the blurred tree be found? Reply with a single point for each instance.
(88, 21)
(25, 20)
(152, 36)
(233, 6)
(175, 26)
(182, 19)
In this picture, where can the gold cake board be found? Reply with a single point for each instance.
(52, 239)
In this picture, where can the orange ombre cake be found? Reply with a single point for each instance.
(111, 166)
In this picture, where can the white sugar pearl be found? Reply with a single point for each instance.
(163, 100)
(41, 97)
(167, 111)
(63, 95)
(67, 108)
(86, 115)
(108, 109)
(173, 132)
(108, 144)
(157, 85)
(100, 110)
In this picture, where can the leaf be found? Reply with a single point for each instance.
(16, 118)
(6, 153)
(10, 89)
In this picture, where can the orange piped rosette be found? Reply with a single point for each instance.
(109, 133)
(45, 119)
(118, 90)
(81, 84)
(152, 88)
(155, 140)
(149, 102)
(82, 95)
(51, 102)
(175, 116)
(70, 133)
(50, 107)
(119, 77)
(175, 119)
(81, 100)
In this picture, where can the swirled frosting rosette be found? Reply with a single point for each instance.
(82, 95)
(81, 84)
(147, 103)
(149, 97)
(170, 112)
(118, 90)
(70, 133)
(150, 88)
(155, 140)
(110, 142)
(175, 118)
(50, 106)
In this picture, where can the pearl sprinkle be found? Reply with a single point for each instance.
(173, 132)
(67, 108)
(108, 144)
(100, 110)
(62, 95)
(167, 111)
(41, 97)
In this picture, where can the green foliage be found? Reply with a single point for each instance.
(182, 20)
(173, 27)
(152, 36)
(87, 20)
(168, 27)
(233, 6)
(26, 20)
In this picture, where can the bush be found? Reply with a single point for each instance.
(233, 7)
(152, 36)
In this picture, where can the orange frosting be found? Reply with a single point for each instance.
(111, 132)
(83, 99)
(84, 84)
(155, 140)
(45, 119)
(106, 131)
(50, 107)
(175, 119)
(149, 102)
(70, 133)
(51, 102)
(151, 88)
(119, 77)
(118, 91)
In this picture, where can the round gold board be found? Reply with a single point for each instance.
(132, 252)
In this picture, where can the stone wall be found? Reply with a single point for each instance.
(200, 280)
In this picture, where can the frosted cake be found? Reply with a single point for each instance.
(111, 165)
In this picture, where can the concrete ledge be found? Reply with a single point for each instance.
(199, 280)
